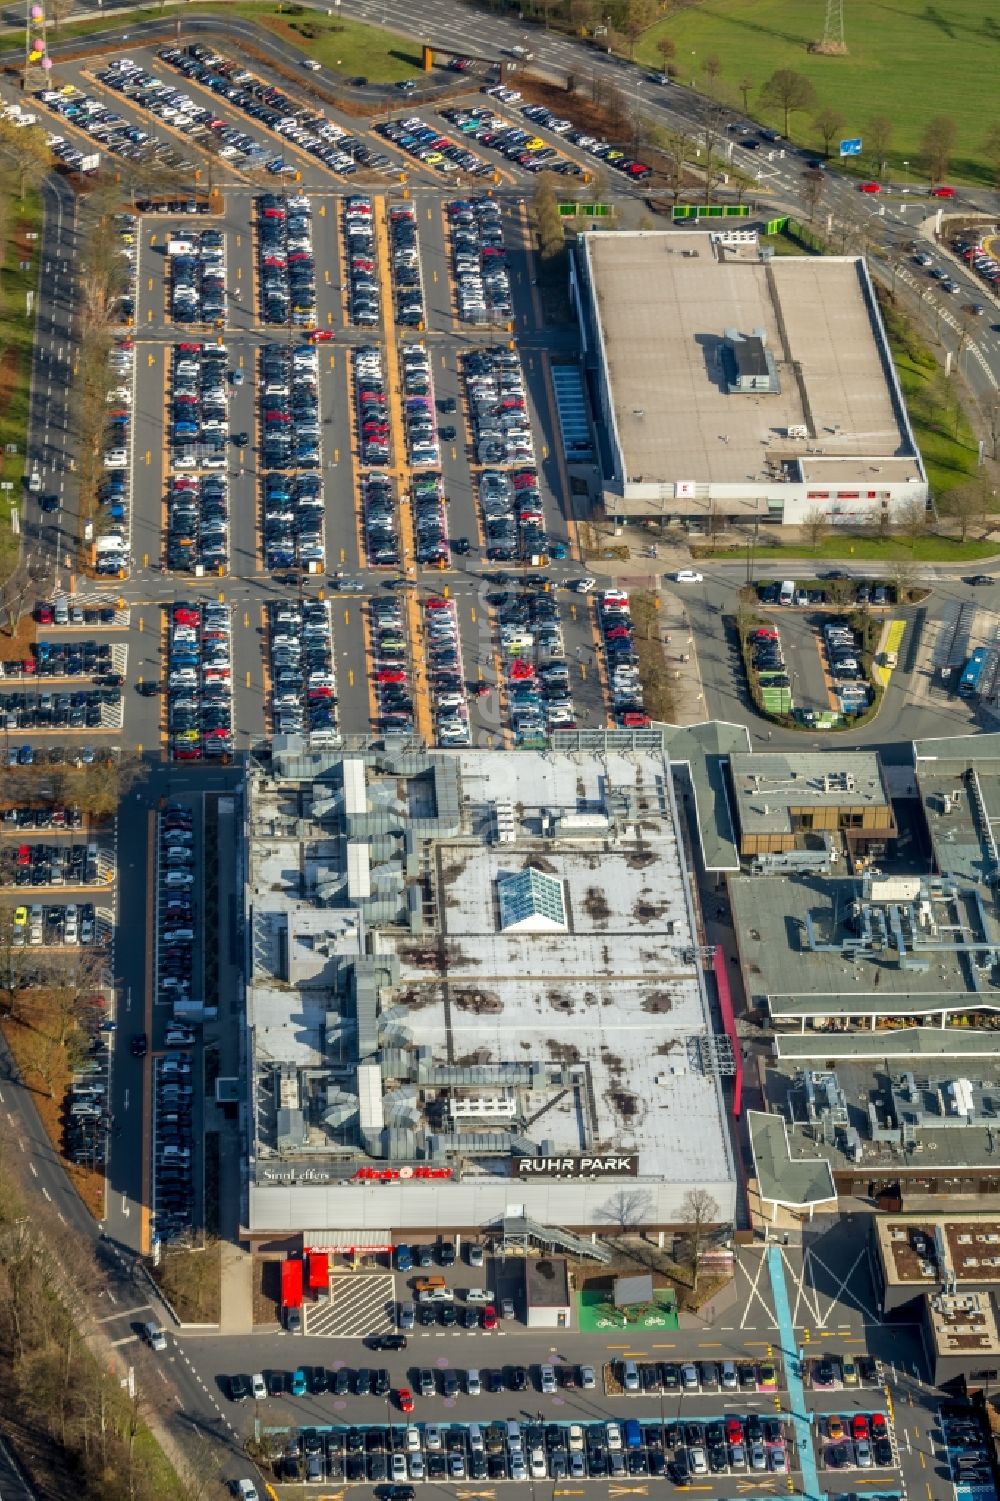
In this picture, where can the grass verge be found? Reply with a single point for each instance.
(341, 45)
(45, 1069)
(847, 544)
(893, 50)
(191, 1281)
(941, 428)
(20, 248)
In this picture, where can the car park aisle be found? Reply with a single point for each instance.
(435, 259)
(401, 469)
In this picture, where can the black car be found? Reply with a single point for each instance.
(239, 1388)
(493, 1380)
(980, 580)
(139, 1045)
(387, 1342)
(517, 1381)
(446, 1253)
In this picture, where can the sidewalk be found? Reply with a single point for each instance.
(236, 1305)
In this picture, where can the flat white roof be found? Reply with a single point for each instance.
(665, 302)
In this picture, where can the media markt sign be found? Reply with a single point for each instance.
(609, 1165)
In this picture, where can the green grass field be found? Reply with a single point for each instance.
(344, 47)
(907, 60)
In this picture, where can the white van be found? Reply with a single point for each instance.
(178, 878)
(787, 595)
(479, 1295)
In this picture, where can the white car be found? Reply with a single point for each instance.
(588, 1380)
(258, 1387)
(688, 576)
(246, 1490)
(584, 585)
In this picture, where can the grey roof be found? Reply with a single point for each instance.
(767, 785)
(882, 1002)
(770, 920)
(704, 750)
(780, 1178)
(893, 1042)
(958, 750)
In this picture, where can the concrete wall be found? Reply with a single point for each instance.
(436, 1208)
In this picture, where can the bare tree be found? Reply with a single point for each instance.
(712, 69)
(829, 122)
(911, 520)
(991, 150)
(970, 503)
(937, 144)
(698, 1211)
(57, 12)
(788, 91)
(878, 134)
(667, 48)
(813, 187)
(746, 89)
(584, 15)
(639, 16)
(27, 149)
(815, 524)
(627, 1209)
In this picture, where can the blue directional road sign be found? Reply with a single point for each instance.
(851, 147)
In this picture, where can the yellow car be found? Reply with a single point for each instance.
(21, 916)
(432, 158)
(535, 144)
(834, 1428)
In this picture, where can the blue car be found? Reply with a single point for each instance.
(300, 1386)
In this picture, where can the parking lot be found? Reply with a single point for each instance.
(354, 489)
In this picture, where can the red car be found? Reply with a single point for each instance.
(942, 192)
(24, 854)
(489, 1318)
(869, 187)
(184, 615)
(880, 1428)
(859, 1426)
(45, 615)
(405, 1399)
(321, 335)
(734, 1431)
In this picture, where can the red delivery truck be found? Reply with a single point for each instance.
(319, 1272)
(291, 1283)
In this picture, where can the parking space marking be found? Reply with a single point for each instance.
(359, 1304)
(842, 1292)
(754, 1293)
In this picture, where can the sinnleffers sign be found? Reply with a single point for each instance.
(607, 1165)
